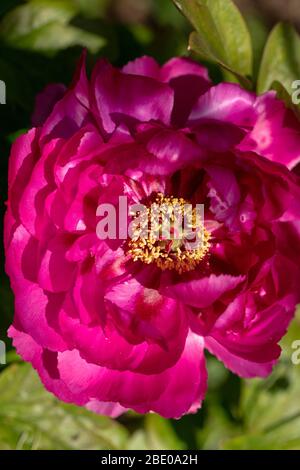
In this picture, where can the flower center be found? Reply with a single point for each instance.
(169, 233)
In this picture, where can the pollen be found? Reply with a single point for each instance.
(170, 234)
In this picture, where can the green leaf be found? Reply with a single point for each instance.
(12, 357)
(270, 410)
(260, 442)
(138, 441)
(44, 26)
(161, 435)
(156, 433)
(259, 34)
(217, 373)
(92, 8)
(221, 34)
(32, 418)
(55, 36)
(166, 15)
(281, 59)
(24, 19)
(217, 425)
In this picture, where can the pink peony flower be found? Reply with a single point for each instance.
(110, 330)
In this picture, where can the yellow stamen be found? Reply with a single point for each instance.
(169, 253)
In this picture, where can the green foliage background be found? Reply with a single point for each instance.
(40, 42)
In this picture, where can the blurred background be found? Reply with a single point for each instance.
(40, 42)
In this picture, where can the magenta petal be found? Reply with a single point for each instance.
(45, 363)
(32, 303)
(184, 74)
(204, 292)
(106, 347)
(39, 186)
(245, 336)
(182, 66)
(217, 136)
(119, 97)
(142, 392)
(144, 66)
(71, 112)
(82, 248)
(224, 194)
(173, 149)
(45, 101)
(145, 314)
(22, 156)
(188, 392)
(225, 102)
(83, 146)
(87, 293)
(111, 332)
(56, 273)
(113, 410)
(276, 133)
(240, 366)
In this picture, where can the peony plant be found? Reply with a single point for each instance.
(123, 324)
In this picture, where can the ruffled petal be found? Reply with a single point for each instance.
(32, 304)
(45, 102)
(225, 102)
(202, 293)
(144, 66)
(119, 97)
(72, 111)
(142, 393)
(184, 74)
(275, 134)
(142, 313)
